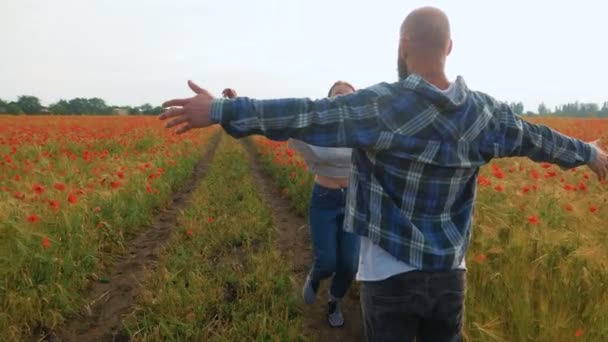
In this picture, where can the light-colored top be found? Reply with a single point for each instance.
(376, 264)
(324, 161)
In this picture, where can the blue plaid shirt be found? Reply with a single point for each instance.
(416, 156)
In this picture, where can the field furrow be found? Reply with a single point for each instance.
(221, 278)
(110, 299)
(289, 215)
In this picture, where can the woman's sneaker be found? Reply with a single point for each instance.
(334, 314)
(309, 291)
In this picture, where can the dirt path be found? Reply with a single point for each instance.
(110, 301)
(294, 242)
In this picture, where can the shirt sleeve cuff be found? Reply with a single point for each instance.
(217, 106)
(592, 153)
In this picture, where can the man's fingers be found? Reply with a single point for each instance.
(601, 168)
(176, 121)
(171, 112)
(229, 93)
(185, 128)
(177, 102)
(195, 88)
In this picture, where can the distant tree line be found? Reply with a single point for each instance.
(576, 109)
(517, 107)
(95, 106)
(28, 104)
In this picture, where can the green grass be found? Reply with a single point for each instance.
(222, 278)
(287, 171)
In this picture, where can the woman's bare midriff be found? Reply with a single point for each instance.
(331, 182)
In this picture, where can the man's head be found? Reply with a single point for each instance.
(425, 41)
(340, 88)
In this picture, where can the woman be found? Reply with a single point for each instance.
(335, 251)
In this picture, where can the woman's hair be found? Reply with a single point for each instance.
(338, 83)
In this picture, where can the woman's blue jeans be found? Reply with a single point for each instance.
(335, 252)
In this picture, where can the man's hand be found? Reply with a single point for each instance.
(195, 112)
(600, 165)
(229, 93)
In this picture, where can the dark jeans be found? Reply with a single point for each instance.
(335, 252)
(425, 305)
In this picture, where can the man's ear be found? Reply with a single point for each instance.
(403, 47)
(450, 48)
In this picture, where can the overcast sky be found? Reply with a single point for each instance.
(136, 51)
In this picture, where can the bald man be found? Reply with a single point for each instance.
(417, 145)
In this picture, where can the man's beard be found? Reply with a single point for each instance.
(402, 68)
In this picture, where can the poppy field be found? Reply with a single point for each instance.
(75, 190)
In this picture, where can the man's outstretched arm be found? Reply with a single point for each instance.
(351, 120)
(348, 120)
(517, 137)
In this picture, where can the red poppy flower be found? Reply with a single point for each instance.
(38, 189)
(33, 218)
(533, 219)
(483, 181)
(481, 258)
(535, 174)
(498, 173)
(54, 204)
(72, 198)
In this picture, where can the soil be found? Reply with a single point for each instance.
(295, 244)
(111, 299)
